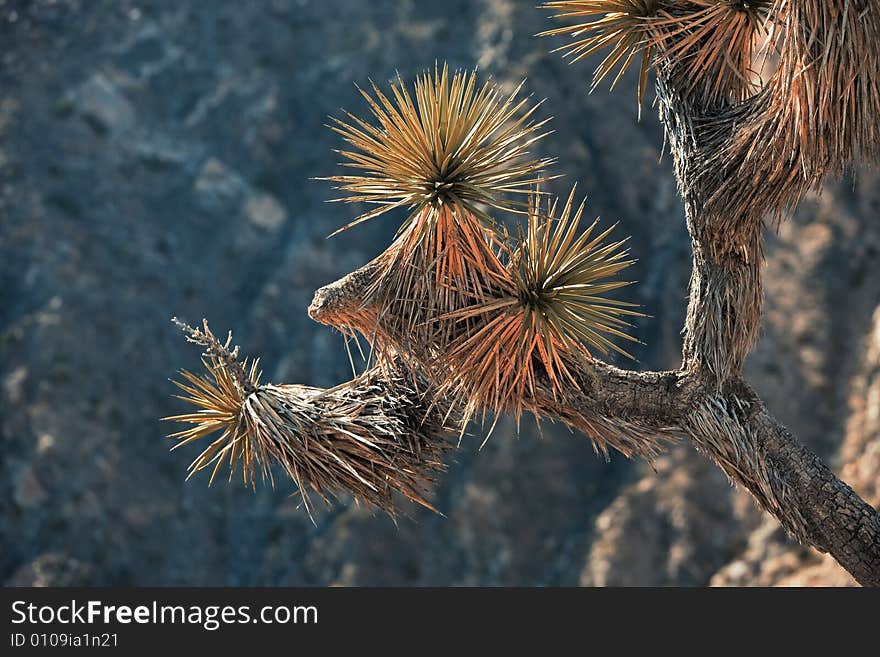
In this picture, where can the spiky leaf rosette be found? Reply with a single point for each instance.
(368, 438)
(624, 26)
(715, 38)
(452, 143)
(547, 314)
(445, 153)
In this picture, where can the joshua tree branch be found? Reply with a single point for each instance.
(728, 423)
(835, 519)
(655, 399)
(630, 411)
(734, 429)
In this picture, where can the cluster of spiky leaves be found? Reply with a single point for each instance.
(624, 26)
(452, 143)
(368, 438)
(484, 316)
(545, 315)
(761, 144)
(447, 153)
(821, 104)
(716, 40)
(219, 399)
(448, 291)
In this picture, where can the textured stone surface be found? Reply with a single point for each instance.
(155, 161)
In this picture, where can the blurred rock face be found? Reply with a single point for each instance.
(155, 160)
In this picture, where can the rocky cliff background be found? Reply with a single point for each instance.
(155, 161)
